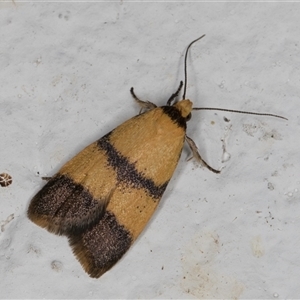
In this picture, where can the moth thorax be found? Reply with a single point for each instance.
(185, 107)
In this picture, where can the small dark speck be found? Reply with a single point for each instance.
(5, 179)
(56, 265)
(64, 16)
(226, 120)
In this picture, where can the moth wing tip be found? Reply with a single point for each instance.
(85, 258)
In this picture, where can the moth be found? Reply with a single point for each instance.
(103, 197)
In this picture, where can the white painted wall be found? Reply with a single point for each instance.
(65, 74)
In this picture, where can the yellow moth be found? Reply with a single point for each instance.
(103, 197)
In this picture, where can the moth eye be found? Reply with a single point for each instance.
(188, 117)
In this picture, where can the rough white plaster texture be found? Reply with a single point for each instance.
(66, 70)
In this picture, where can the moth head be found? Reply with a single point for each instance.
(185, 107)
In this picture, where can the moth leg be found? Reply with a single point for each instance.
(171, 99)
(145, 105)
(197, 156)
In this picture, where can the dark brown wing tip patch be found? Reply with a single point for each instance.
(85, 258)
(64, 207)
(101, 246)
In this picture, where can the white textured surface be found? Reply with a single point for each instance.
(66, 70)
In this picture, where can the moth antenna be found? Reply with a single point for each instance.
(172, 98)
(185, 64)
(240, 112)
